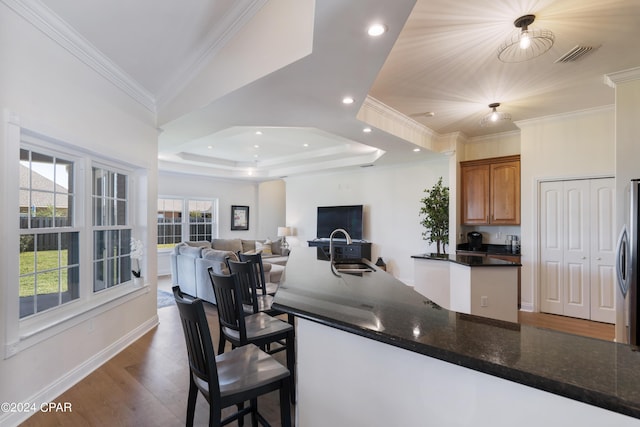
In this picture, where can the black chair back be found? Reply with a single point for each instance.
(229, 302)
(258, 266)
(202, 359)
(245, 275)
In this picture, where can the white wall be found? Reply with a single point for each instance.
(271, 208)
(569, 146)
(50, 91)
(391, 196)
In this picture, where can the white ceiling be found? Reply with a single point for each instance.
(216, 72)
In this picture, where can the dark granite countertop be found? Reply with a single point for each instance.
(469, 260)
(378, 306)
(489, 249)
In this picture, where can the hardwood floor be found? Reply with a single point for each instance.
(587, 328)
(145, 385)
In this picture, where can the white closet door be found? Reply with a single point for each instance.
(551, 247)
(603, 248)
(577, 249)
(577, 293)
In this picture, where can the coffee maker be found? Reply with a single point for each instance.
(474, 240)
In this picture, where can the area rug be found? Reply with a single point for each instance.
(165, 299)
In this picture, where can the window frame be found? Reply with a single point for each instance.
(128, 225)
(27, 143)
(185, 223)
(24, 333)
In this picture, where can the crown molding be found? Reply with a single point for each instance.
(613, 79)
(232, 23)
(381, 116)
(43, 19)
(389, 113)
(570, 114)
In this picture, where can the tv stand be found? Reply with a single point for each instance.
(357, 249)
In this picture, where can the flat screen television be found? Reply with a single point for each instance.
(347, 217)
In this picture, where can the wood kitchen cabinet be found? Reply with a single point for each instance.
(491, 191)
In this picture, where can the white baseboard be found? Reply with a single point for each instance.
(526, 306)
(55, 389)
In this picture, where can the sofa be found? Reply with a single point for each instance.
(190, 262)
(272, 251)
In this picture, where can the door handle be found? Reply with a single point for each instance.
(622, 253)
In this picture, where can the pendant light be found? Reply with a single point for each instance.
(525, 43)
(494, 117)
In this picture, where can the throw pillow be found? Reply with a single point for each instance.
(264, 248)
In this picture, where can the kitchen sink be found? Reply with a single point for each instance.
(353, 267)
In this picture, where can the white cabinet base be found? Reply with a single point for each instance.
(483, 291)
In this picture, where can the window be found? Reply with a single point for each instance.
(53, 229)
(49, 243)
(200, 219)
(173, 226)
(169, 222)
(111, 233)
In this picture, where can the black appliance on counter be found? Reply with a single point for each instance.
(474, 240)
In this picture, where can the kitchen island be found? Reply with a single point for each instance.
(372, 351)
(476, 285)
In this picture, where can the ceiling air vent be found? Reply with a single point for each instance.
(576, 53)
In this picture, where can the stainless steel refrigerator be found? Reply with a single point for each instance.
(628, 265)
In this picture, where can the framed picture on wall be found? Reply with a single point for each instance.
(239, 217)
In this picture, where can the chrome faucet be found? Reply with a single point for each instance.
(331, 256)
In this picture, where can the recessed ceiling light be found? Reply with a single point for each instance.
(376, 30)
(305, 145)
(416, 150)
(348, 100)
(366, 130)
(210, 147)
(256, 146)
(258, 132)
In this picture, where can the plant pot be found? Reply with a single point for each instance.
(138, 281)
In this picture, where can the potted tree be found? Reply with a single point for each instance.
(435, 208)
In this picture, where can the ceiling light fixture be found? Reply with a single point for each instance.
(366, 130)
(494, 117)
(525, 43)
(348, 100)
(376, 30)
(258, 132)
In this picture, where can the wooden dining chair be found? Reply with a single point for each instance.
(254, 301)
(266, 288)
(240, 328)
(228, 379)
